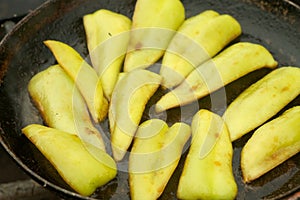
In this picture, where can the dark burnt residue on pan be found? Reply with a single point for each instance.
(286, 10)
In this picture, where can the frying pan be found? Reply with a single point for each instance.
(274, 24)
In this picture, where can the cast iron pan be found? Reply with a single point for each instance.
(274, 24)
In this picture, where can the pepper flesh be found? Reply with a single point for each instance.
(271, 144)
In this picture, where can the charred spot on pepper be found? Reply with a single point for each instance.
(285, 89)
(217, 163)
(89, 131)
(217, 135)
(138, 46)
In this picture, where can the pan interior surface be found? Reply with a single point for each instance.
(275, 25)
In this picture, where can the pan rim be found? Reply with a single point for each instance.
(6, 146)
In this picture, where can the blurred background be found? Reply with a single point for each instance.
(11, 11)
(13, 8)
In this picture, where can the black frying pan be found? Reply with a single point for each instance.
(274, 24)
